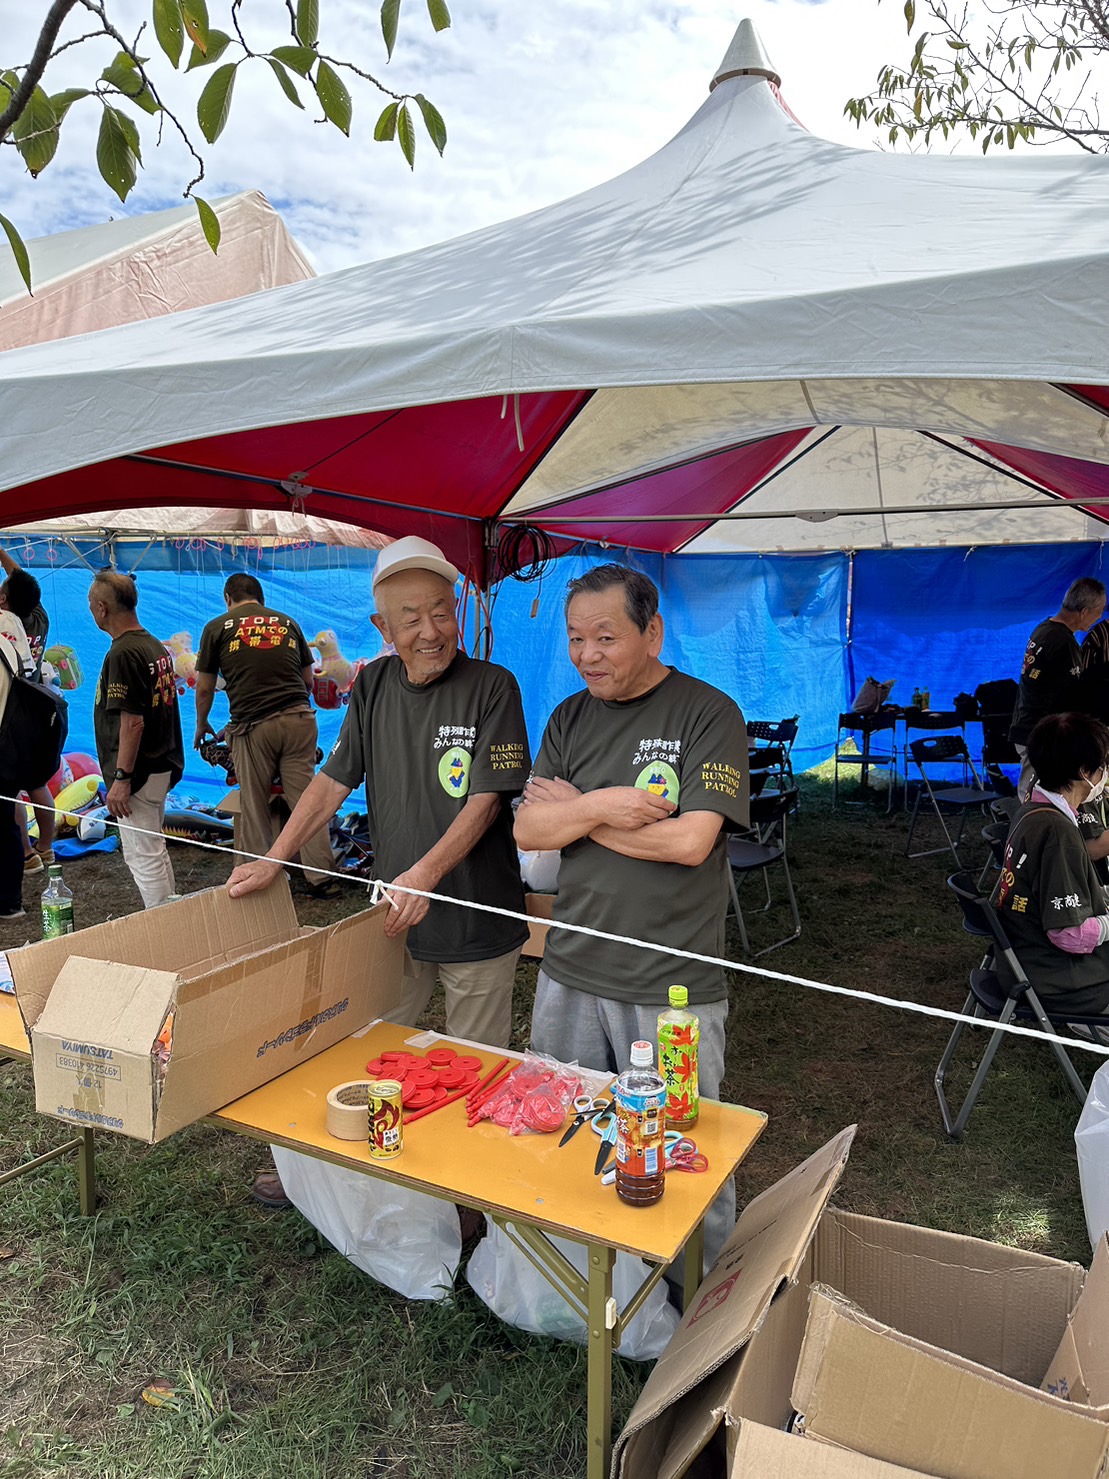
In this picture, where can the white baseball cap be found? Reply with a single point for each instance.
(412, 553)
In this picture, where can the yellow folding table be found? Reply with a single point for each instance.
(529, 1185)
(14, 1044)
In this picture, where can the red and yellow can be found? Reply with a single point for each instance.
(386, 1119)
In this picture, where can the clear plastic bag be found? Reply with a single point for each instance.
(535, 1098)
(513, 1288)
(1091, 1138)
(404, 1239)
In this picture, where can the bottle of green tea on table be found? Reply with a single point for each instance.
(679, 1033)
(57, 906)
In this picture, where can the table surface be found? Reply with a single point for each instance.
(13, 1040)
(525, 1176)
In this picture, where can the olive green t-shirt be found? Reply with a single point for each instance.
(422, 750)
(685, 740)
(261, 654)
(138, 678)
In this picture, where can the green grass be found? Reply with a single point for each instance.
(287, 1361)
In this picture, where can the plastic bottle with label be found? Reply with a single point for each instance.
(679, 1033)
(57, 906)
(639, 1102)
(917, 696)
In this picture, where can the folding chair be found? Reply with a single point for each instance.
(933, 721)
(764, 849)
(866, 757)
(775, 751)
(989, 999)
(960, 801)
(995, 836)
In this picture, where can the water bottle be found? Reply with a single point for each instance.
(917, 697)
(679, 1033)
(639, 1101)
(57, 906)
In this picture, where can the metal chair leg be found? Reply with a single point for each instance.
(743, 940)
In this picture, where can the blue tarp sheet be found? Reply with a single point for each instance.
(771, 630)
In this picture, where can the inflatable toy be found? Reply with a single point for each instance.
(332, 664)
(81, 764)
(326, 692)
(92, 826)
(66, 664)
(61, 778)
(76, 797)
(180, 648)
(186, 825)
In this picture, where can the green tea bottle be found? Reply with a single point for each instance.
(679, 1033)
(57, 906)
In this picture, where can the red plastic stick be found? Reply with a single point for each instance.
(476, 1091)
(475, 1103)
(410, 1119)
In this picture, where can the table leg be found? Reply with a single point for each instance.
(602, 1317)
(693, 1259)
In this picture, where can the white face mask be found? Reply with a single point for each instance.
(1097, 789)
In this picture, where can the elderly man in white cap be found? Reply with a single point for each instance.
(439, 739)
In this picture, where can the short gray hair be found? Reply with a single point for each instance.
(640, 592)
(1084, 594)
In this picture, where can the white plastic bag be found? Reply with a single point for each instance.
(514, 1289)
(402, 1238)
(1091, 1137)
(539, 870)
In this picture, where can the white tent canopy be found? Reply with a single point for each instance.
(652, 336)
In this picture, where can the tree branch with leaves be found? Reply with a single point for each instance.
(1002, 72)
(127, 89)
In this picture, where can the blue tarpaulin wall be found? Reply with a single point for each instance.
(783, 634)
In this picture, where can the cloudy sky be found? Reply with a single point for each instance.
(542, 98)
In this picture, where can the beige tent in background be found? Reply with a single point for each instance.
(140, 267)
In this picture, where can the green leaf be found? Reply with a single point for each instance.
(124, 75)
(286, 82)
(116, 157)
(440, 15)
(63, 101)
(214, 103)
(406, 136)
(19, 251)
(35, 132)
(194, 13)
(910, 14)
(209, 224)
(443, 1395)
(300, 58)
(390, 16)
(433, 122)
(308, 22)
(218, 42)
(169, 27)
(334, 97)
(386, 126)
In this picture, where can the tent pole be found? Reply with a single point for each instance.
(848, 628)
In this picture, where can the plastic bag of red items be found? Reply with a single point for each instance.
(535, 1098)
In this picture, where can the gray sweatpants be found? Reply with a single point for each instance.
(596, 1032)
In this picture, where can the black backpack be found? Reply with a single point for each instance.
(32, 732)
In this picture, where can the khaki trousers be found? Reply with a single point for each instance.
(478, 992)
(284, 745)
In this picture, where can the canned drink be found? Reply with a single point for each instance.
(386, 1116)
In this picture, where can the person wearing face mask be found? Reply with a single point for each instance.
(1049, 896)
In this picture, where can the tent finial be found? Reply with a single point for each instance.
(746, 57)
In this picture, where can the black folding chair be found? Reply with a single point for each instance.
(995, 836)
(947, 801)
(991, 999)
(774, 753)
(865, 755)
(764, 848)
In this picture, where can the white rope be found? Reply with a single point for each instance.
(379, 890)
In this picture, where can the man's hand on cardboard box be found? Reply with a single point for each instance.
(408, 909)
(249, 878)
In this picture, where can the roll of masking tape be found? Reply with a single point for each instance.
(348, 1110)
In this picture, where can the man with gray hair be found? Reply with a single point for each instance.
(635, 779)
(138, 732)
(1050, 675)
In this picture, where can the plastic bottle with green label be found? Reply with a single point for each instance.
(679, 1033)
(57, 906)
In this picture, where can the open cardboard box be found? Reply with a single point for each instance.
(540, 906)
(774, 1455)
(923, 1318)
(251, 994)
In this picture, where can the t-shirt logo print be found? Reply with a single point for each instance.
(454, 771)
(660, 779)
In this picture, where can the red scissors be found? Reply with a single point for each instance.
(682, 1154)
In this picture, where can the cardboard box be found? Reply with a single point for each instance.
(950, 1308)
(541, 905)
(251, 995)
(774, 1455)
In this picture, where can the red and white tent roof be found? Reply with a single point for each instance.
(756, 339)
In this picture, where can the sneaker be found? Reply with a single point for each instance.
(12, 914)
(46, 854)
(1089, 1033)
(32, 862)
